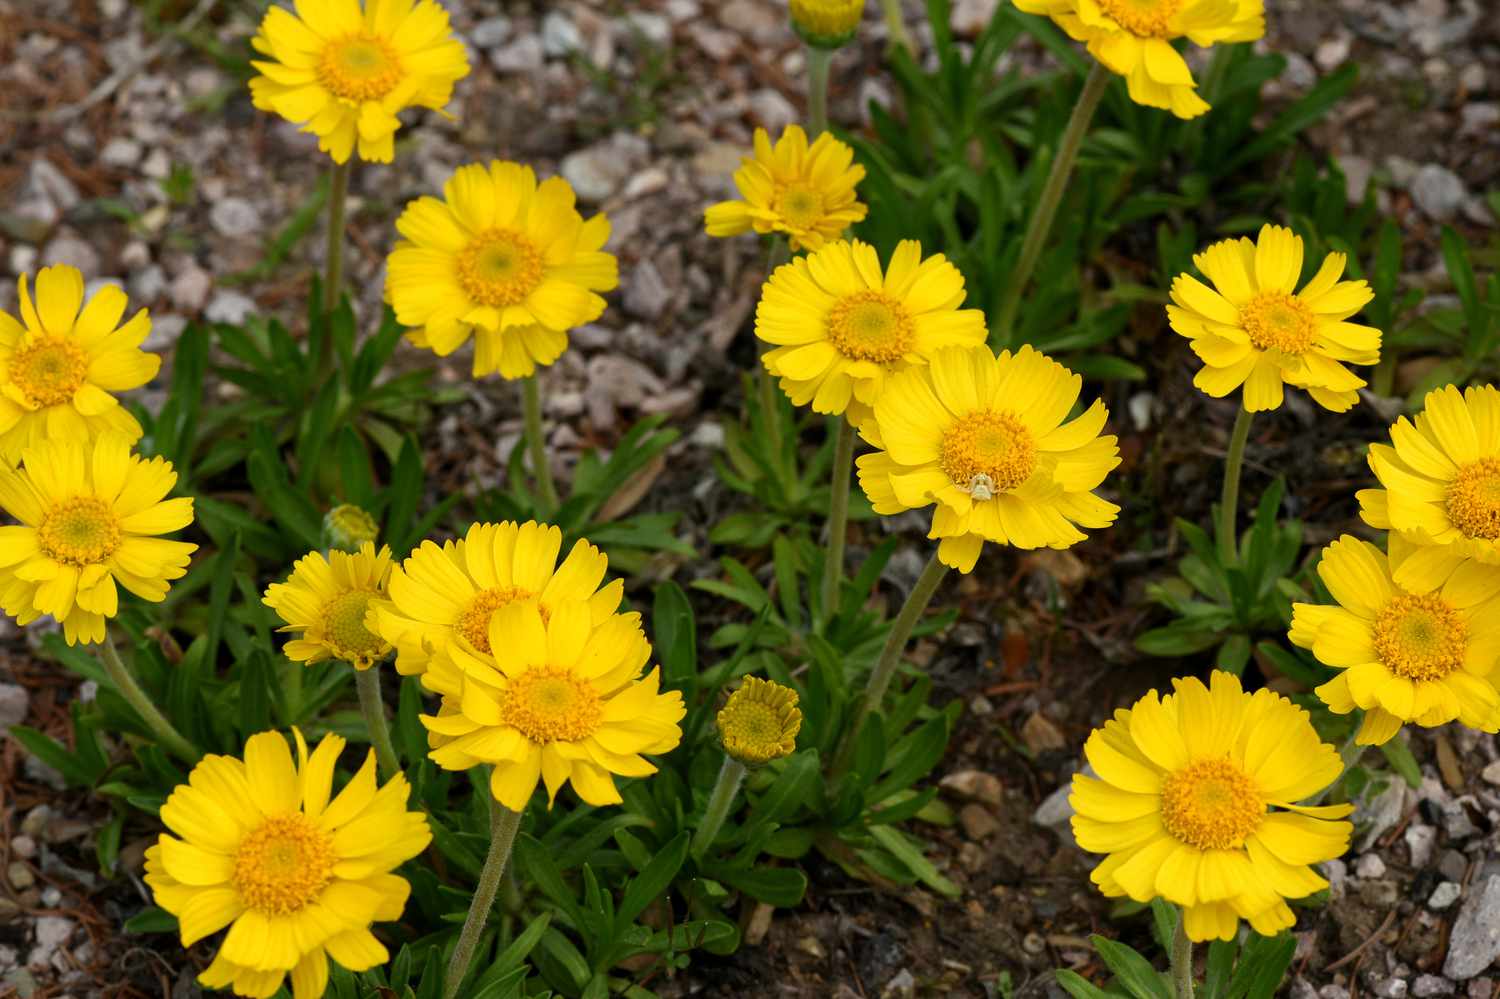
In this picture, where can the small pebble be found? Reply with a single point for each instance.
(23, 847)
(1444, 895)
(1369, 866)
(19, 876)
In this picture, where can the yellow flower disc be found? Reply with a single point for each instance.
(1211, 805)
(760, 721)
(326, 603)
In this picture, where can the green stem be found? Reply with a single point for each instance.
(781, 252)
(1047, 203)
(890, 654)
(127, 687)
(1383, 382)
(1229, 502)
(731, 774)
(895, 26)
(818, 60)
(838, 515)
(1182, 959)
(367, 683)
(1349, 755)
(540, 466)
(503, 826)
(291, 691)
(333, 276)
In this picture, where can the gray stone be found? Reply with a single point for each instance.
(1444, 895)
(970, 17)
(646, 294)
(524, 55)
(190, 288)
(490, 32)
(976, 785)
(598, 171)
(1369, 866)
(1333, 992)
(1332, 53)
(14, 703)
(756, 18)
(1438, 191)
(654, 28)
(1381, 893)
(120, 152)
(772, 110)
(147, 284)
(51, 933)
(36, 822)
(46, 180)
(708, 434)
(1475, 941)
(229, 306)
(23, 847)
(1431, 985)
(1391, 988)
(68, 248)
(560, 36)
(19, 875)
(234, 218)
(1420, 840)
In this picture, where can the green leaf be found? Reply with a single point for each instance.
(1262, 966)
(783, 887)
(913, 758)
(676, 634)
(1398, 754)
(1176, 639)
(1234, 653)
(642, 889)
(894, 842)
(55, 755)
(1078, 987)
(151, 920)
(1133, 971)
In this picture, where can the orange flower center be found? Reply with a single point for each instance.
(49, 371)
(871, 326)
(987, 451)
(1143, 18)
(474, 623)
(1421, 637)
(551, 705)
(359, 68)
(80, 531)
(1473, 500)
(344, 624)
(500, 267)
(1211, 804)
(1277, 321)
(282, 866)
(800, 204)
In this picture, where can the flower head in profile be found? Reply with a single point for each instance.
(326, 602)
(558, 699)
(343, 70)
(449, 592)
(504, 260)
(826, 24)
(1425, 656)
(805, 191)
(298, 874)
(1440, 484)
(988, 441)
(1196, 803)
(1253, 328)
(62, 359)
(840, 325)
(760, 721)
(90, 515)
(1133, 38)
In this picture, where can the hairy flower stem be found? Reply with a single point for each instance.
(333, 276)
(731, 774)
(890, 654)
(838, 515)
(1182, 959)
(1047, 203)
(503, 826)
(818, 60)
(1229, 502)
(367, 683)
(540, 466)
(127, 687)
(895, 26)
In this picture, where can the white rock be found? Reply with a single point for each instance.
(758, 19)
(654, 28)
(1369, 866)
(51, 933)
(67, 248)
(490, 32)
(1444, 895)
(1420, 839)
(560, 36)
(970, 17)
(646, 293)
(120, 152)
(234, 218)
(1332, 53)
(229, 306)
(14, 702)
(190, 288)
(772, 110)
(1438, 191)
(1427, 986)
(524, 55)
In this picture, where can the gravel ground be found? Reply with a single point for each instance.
(135, 157)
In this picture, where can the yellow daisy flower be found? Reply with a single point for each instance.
(826, 24)
(1440, 479)
(1195, 802)
(983, 437)
(89, 514)
(841, 327)
(1254, 328)
(503, 259)
(62, 360)
(804, 191)
(448, 592)
(760, 721)
(298, 874)
(1133, 38)
(1425, 656)
(325, 602)
(560, 699)
(343, 70)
